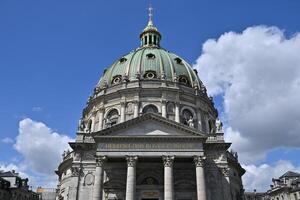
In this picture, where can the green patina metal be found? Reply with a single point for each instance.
(150, 57)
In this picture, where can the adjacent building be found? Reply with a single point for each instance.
(13, 187)
(286, 187)
(150, 131)
(46, 193)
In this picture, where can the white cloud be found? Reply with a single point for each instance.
(7, 140)
(41, 150)
(258, 73)
(260, 177)
(40, 146)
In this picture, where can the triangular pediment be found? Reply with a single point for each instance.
(149, 125)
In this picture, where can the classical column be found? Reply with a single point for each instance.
(130, 184)
(226, 183)
(200, 177)
(122, 112)
(163, 108)
(168, 177)
(97, 193)
(177, 114)
(100, 123)
(136, 109)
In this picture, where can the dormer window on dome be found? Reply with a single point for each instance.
(150, 74)
(178, 61)
(183, 79)
(116, 79)
(150, 56)
(122, 60)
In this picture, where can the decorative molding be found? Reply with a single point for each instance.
(199, 161)
(131, 161)
(100, 160)
(75, 171)
(168, 161)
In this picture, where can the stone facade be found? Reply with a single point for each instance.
(149, 131)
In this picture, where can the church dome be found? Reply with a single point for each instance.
(150, 62)
(149, 79)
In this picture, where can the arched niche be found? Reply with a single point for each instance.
(150, 108)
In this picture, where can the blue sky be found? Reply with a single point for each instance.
(52, 53)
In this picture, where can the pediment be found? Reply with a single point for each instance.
(149, 125)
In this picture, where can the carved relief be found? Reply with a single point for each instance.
(129, 108)
(88, 156)
(89, 179)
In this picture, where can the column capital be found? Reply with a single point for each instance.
(131, 161)
(168, 161)
(199, 161)
(225, 171)
(100, 160)
(123, 103)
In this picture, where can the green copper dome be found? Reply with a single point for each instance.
(150, 61)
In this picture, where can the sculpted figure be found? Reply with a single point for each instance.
(108, 123)
(81, 126)
(219, 125)
(190, 122)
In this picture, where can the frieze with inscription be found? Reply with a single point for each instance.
(115, 146)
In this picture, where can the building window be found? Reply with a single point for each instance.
(150, 109)
(150, 56)
(116, 79)
(122, 60)
(150, 74)
(187, 117)
(178, 61)
(112, 118)
(183, 79)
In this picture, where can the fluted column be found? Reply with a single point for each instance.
(122, 112)
(100, 124)
(136, 109)
(131, 176)
(177, 114)
(163, 108)
(97, 193)
(226, 183)
(200, 177)
(168, 177)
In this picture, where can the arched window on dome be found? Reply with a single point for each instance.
(184, 79)
(150, 109)
(112, 118)
(187, 118)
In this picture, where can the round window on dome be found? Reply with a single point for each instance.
(183, 79)
(150, 75)
(116, 79)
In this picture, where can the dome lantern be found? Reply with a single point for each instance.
(150, 35)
